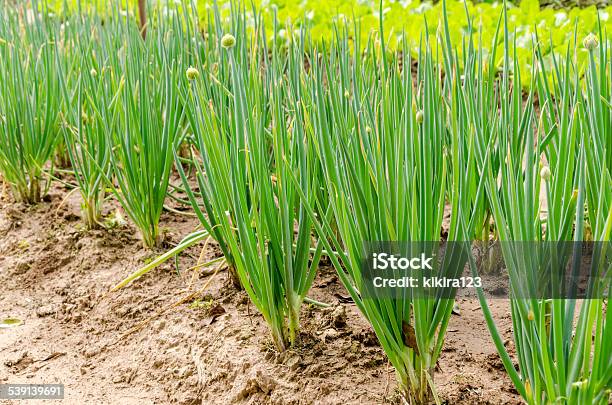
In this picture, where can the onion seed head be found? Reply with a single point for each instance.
(192, 73)
(590, 42)
(228, 41)
(419, 117)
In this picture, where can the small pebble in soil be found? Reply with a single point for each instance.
(159, 325)
(329, 335)
(91, 352)
(338, 316)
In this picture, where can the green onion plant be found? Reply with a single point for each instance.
(90, 92)
(250, 151)
(29, 99)
(393, 160)
(147, 126)
(561, 344)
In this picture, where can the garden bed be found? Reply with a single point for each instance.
(260, 174)
(212, 349)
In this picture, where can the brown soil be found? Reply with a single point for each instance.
(212, 349)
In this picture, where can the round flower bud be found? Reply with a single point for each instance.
(545, 173)
(419, 117)
(93, 72)
(530, 315)
(590, 42)
(580, 384)
(228, 41)
(192, 73)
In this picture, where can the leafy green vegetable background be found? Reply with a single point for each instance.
(556, 28)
